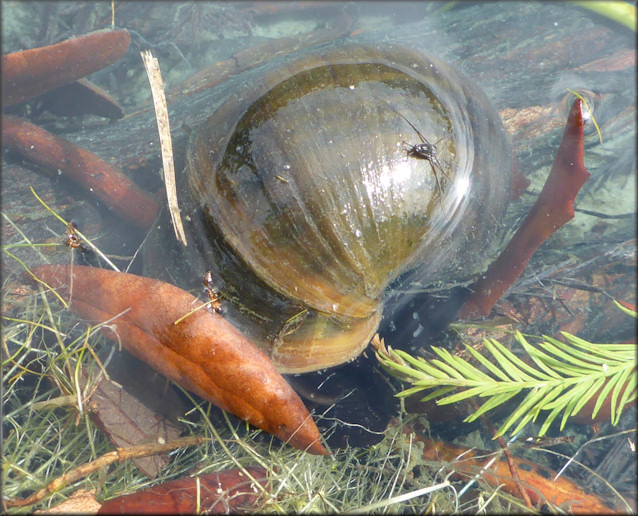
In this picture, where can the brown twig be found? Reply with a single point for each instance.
(120, 454)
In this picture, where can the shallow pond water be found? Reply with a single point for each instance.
(525, 56)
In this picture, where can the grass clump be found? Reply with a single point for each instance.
(48, 431)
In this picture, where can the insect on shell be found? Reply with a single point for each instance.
(304, 205)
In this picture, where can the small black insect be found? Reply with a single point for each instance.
(424, 150)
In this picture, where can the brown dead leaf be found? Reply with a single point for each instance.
(203, 352)
(213, 493)
(128, 422)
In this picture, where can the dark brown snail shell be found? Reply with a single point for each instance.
(312, 199)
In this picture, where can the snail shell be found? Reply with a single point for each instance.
(305, 201)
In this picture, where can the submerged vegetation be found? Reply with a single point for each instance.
(52, 366)
(48, 430)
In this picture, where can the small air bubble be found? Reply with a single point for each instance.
(358, 233)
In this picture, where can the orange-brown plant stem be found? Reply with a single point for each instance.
(536, 479)
(203, 352)
(28, 73)
(59, 156)
(553, 208)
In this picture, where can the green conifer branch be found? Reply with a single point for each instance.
(560, 377)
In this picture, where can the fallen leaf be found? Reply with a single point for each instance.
(217, 493)
(128, 422)
(203, 352)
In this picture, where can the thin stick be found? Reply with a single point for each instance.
(161, 115)
(120, 454)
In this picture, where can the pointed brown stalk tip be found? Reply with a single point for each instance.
(203, 353)
(553, 208)
(29, 73)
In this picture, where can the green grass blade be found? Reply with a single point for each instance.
(550, 362)
(611, 353)
(604, 393)
(463, 395)
(626, 310)
(448, 369)
(468, 370)
(438, 393)
(493, 402)
(461, 367)
(523, 409)
(555, 392)
(574, 394)
(598, 383)
(523, 368)
(411, 391)
(551, 417)
(420, 364)
(590, 353)
(403, 371)
(567, 359)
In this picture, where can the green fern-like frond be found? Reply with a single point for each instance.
(559, 378)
